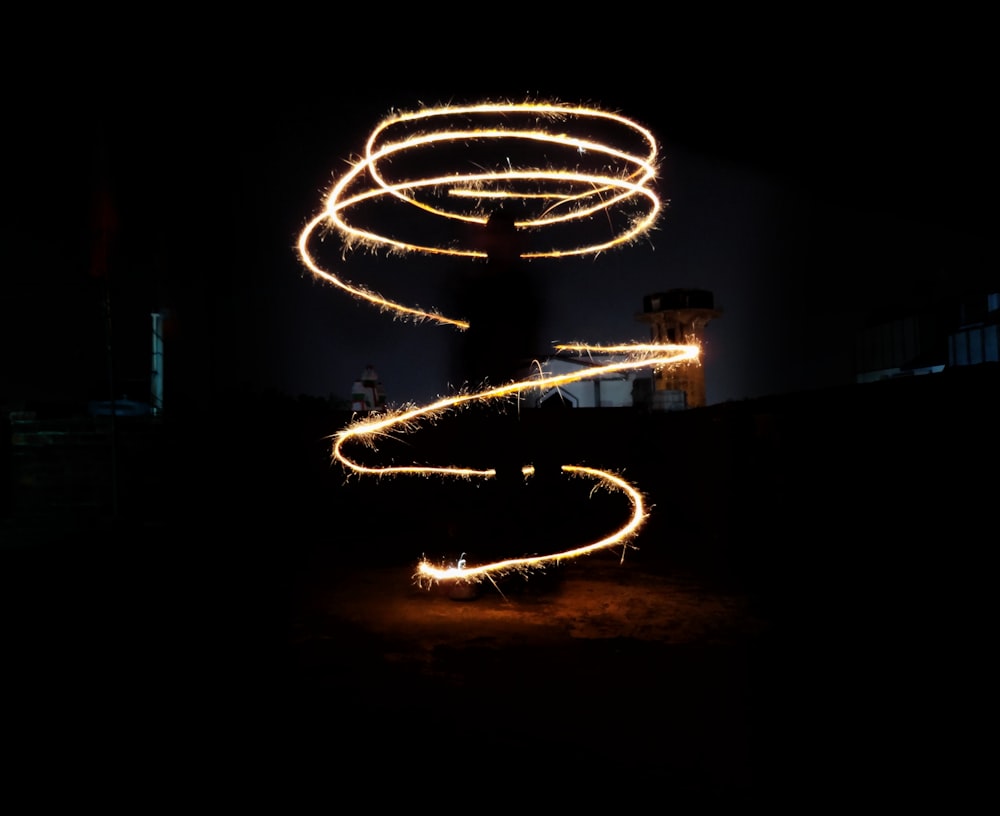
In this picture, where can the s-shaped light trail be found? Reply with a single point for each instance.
(611, 177)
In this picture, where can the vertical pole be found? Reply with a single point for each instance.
(156, 372)
(111, 389)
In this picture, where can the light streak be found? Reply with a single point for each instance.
(616, 181)
(619, 181)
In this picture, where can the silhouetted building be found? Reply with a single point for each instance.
(367, 393)
(958, 331)
(611, 390)
(678, 316)
(977, 337)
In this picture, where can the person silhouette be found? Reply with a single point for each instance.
(501, 305)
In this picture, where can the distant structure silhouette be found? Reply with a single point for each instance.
(367, 393)
(679, 316)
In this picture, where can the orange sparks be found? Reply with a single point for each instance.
(619, 181)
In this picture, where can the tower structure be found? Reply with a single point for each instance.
(367, 394)
(679, 316)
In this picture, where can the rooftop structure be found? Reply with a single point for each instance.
(679, 316)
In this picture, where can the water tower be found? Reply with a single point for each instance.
(678, 316)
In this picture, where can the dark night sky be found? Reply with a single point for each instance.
(808, 184)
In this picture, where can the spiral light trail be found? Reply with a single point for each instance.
(610, 177)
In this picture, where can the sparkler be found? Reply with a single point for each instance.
(611, 178)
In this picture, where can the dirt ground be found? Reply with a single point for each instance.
(599, 664)
(595, 598)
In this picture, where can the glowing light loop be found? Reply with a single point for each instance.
(616, 180)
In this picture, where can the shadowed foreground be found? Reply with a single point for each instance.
(804, 617)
